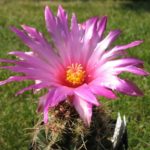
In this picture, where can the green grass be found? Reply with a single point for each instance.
(19, 113)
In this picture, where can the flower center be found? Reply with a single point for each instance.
(75, 74)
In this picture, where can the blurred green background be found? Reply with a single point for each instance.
(19, 113)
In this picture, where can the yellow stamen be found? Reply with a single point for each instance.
(75, 74)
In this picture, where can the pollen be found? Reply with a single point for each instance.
(75, 74)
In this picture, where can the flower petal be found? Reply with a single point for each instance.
(132, 69)
(34, 86)
(57, 26)
(75, 40)
(119, 50)
(123, 86)
(38, 44)
(8, 61)
(128, 88)
(84, 109)
(90, 29)
(127, 46)
(120, 85)
(93, 33)
(51, 23)
(102, 46)
(42, 101)
(14, 78)
(102, 26)
(62, 18)
(32, 60)
(74, 27)
(85, 93)
(59, 95)
(110, 66)
(54, 97)
(33, 73)
(102, 91)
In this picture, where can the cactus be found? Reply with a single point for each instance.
(66, 130)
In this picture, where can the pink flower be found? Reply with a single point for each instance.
(80, 65)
